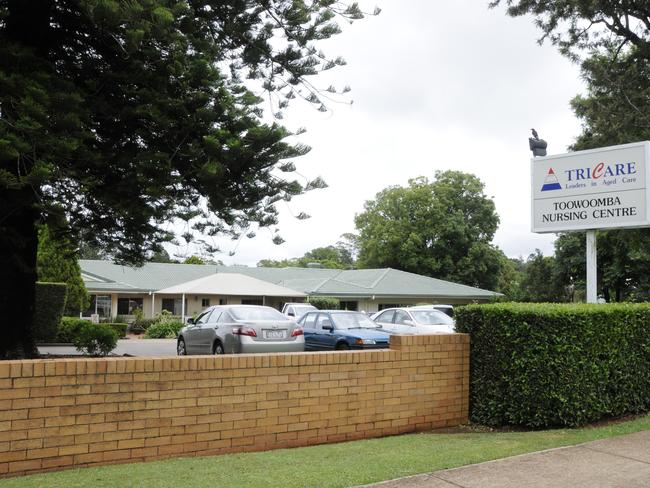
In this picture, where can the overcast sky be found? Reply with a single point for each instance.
(435, 86)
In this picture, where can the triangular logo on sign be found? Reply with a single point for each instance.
(551, 182)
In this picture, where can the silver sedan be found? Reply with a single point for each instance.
(228, 329)
(416, 320)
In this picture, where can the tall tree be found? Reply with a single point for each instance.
(575, 25)
(616, 106)
(334, 257)
(623, 263)
(57, 263)
(121, 116)
(540, 281)
(442, 229)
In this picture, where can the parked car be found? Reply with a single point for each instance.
(447, 309)
(414, 320)
(226, 329)
(339, 329)
(297, 310)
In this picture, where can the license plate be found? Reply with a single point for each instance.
(273, 334)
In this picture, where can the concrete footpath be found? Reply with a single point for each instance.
(621, 462)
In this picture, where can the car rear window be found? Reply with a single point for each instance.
(256, 313)
(352, 321)
(432, 317)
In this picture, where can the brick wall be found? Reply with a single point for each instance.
(56, 414)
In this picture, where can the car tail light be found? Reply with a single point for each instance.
(297, 332)
(245, 331)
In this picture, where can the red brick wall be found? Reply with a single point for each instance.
(56, 414)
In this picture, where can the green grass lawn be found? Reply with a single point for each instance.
(333, 465)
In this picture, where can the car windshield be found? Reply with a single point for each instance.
(432, 317)
(355, 320)
(256, 313)
(301, 310)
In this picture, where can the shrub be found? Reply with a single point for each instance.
(166, 326)
(144, 323)
(96, 339)
(119, 328)
(542, 365)
(325, 303)
(48, 308)
(136, 329)
(69, 328)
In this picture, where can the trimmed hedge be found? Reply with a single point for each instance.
(119, 328)
(96, 339)
(48, 309)
(543, 365)
(69, 328)
(325, 303)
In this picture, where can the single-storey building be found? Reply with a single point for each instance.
(185, 289)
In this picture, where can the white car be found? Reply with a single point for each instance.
(414, 320)
(297, 310)
(447, 309)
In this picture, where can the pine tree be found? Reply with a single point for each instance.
(117, 117)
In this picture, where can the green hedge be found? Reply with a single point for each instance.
(48, 308)
(542, 365)
(119, 328)
(69, 328)
(96, 339)
(325, 303)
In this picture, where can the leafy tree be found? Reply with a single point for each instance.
(574, 25)
(540, 280)
(616, 107)
(283, 263)
(193, 260)
(118, 117)
(509, 280)
(333, 257)
(623, 263)
(441, 229)
(57, 263)
(160, 256)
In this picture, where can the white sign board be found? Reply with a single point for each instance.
(596, 189)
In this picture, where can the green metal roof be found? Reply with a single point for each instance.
(384, 282)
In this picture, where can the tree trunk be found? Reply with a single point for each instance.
(18, 247)
(27, 23)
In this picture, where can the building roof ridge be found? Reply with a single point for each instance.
(322, 283)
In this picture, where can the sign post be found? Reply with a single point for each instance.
(592, 268)
(605, 188)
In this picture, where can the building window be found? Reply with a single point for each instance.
(174, 305)
(205, 302)
(103, 305)
(252, 301)
(354, 306)
(223, 301)
(128, 306)
(383, 306)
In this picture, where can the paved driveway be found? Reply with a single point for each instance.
(132, 347)
(617, 462)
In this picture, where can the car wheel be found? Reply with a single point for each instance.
(218, 348)
(342, 346)
(180, 347)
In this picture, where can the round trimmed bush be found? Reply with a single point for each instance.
(96, 339)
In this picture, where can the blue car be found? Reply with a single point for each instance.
(326, 330)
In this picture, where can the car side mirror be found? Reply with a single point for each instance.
(328, 327)
(190, 321)
(408, 322)
(291, 314)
